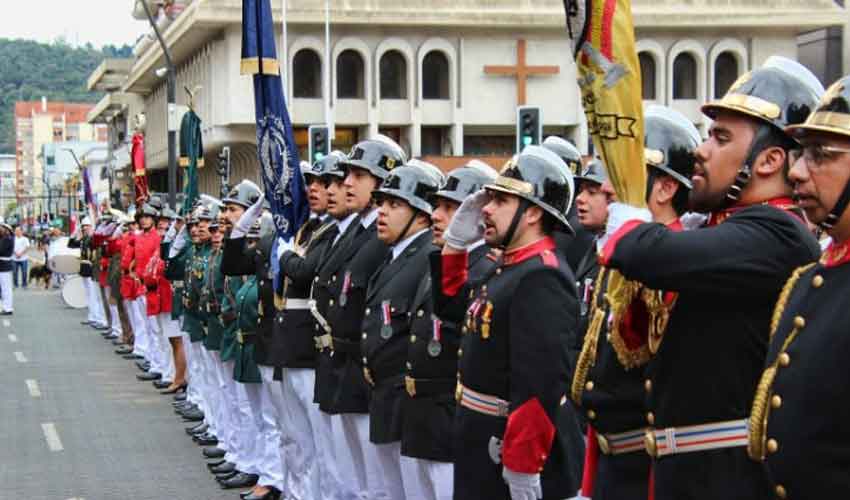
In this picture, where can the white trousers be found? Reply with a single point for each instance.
(249, 434)
(115, 322)
(209, 389)
(224, 408)
(357, 459)
(266, 401)
(306, 460)
(136, 314)
(96, 314)
(193, 371)
(6, 291)
(160, 350)
(389, 463)
(427, 479)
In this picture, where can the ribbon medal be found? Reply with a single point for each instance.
(435, 347)
(346, 287)
(585, 299)
(485, 320)
(386, 317)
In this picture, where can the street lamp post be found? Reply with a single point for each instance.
(171, 97)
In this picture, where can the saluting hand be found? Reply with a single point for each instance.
(467, 225)
(240, 229)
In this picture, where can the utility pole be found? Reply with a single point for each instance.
(171, 97)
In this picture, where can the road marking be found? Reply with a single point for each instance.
(20, 357)
(13, 338)
(52, 437)
(6, 322)
(32, 385)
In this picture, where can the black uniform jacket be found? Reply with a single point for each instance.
(239, 261)
(345, 314)
(294, 327)
(7, 248)
(386, 335)
(430, 410)
(86, 254)
(514, 348)
(586, 273)
(727, 277)
(805, 391)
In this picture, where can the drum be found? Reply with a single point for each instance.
(61, 259)
(74, 292)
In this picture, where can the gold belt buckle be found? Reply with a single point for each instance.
(410, 385)
(368, 376)
(604, 446)
(650, 444)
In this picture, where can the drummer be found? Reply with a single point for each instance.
(7, 247)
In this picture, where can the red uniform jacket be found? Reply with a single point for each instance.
(150, 267)
(131, 286)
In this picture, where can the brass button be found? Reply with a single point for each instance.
(262, 282)
(780, 491)
(420, 313)
(772, 446)
(817, 281)
(412, 339)
(316, 279)
(799, 322)
(409, 366)
(589, 385)
(364, 335)
(459, 352)
(650, 418)
(333, 278)
(647, 385)
(498, 270)
(608, 337)
(365, 361)
(368, 311)
(464, 329)
(775, 401)
(331, 302)
(316, 327)
(784, 359)
(591, 414)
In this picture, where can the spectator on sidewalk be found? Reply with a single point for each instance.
(19, 257)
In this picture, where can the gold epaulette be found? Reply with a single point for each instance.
(761, 402)
(620, 296)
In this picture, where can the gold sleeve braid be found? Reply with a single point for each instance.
(591, 340)
(761, 402)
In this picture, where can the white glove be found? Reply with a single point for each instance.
(282, 246)
(467, 224)
(171, 233)
(240, 229)
(619, 214)
(522, 486)
(118, 232)
(179, 242)
(692, 220)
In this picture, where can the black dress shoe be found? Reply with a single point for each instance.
(124, 350)
(172, 389)
(241, 480)
(102, 328)
(213, 452)
(207, 440)
(183, 407)
(216, 463)
(162, 384)
(223, 468)
(131, 356)
(226, 475)
(148, 376)
(180, 397)
(197, 429)
(86, 322)
(272, 494)
(195, 416)
(117, 341)
(142, 365)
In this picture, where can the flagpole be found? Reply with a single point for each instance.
(328, 117)
(284, 60)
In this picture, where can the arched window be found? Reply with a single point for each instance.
(393, 75)
(435, 76)
(725, 73)
(307, 74)
(647, 75)
(350, 82)
(684, 77)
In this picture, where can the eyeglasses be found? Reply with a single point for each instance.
(816, 155)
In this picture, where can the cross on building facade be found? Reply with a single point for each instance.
(521, 71)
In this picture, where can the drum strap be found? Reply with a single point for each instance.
(5, 258)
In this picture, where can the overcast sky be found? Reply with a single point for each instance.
(97, 21)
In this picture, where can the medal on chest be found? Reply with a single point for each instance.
(346, 287)
(435, 346)
(386, 320)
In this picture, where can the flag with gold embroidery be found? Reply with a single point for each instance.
(603, 40)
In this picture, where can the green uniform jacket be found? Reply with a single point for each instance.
(175, 272)
(246, 370)
(211, 301)
(193, 315)
(230, 347)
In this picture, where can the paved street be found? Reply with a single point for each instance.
(76, 424)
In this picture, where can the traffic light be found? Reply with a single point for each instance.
(529, 127)
(320, 142)
(223, 166)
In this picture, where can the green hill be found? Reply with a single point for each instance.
(58, 71)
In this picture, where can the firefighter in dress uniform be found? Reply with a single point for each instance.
(431, 367)
(404, 220)
(294, 326)
(608, 383)
(513, 365)
(728, 274)
(798, 424)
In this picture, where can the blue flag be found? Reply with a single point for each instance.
(276, 149)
